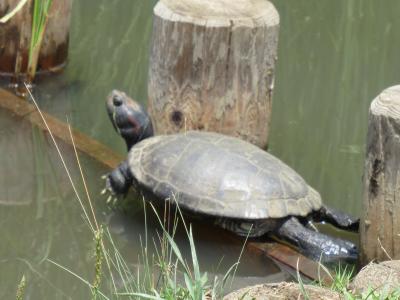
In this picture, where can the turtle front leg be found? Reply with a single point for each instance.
(316, 245)
(337, 218)
(119, 180)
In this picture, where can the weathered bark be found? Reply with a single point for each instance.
(380, 223)
(212, 67)
(15, 38)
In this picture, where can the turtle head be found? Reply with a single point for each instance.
(129, 118)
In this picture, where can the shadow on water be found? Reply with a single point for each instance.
(334, 58)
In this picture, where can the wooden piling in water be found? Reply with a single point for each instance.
(212, 67)
(15, 37)
(380, 222)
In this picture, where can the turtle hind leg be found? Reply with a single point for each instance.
(316, 245)
(337, 218)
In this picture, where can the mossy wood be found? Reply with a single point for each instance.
(212, 67)
(380, 223)
(15, 38)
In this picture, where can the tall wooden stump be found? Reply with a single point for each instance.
(212, 67)
(380, 223)
(15, 36)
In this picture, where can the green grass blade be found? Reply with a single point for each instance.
(175, 248)
(77, 276)
(195, 261)
(301, 284)
(189, 286)
(141, 295)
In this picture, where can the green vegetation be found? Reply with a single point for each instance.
(164, 275)
(39, 21)
(21, 288)
(341, 280)
(40, 16)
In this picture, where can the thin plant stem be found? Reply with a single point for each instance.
(16, 9)
(77, 276)
(61, 157)
(82, 176)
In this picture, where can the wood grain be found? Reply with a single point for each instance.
(380, 223)
(212, 70)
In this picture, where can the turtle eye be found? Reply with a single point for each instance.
(117, 100)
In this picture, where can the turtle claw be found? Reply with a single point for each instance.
(311, 226)
(108, 190)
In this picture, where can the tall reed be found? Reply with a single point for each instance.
(159, 279)
(40, 18)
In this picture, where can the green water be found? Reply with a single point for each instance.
(334, 58)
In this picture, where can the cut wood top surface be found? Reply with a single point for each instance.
(387, 103)
(218, 12)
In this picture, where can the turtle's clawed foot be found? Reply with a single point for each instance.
(112, 200)
(113, 196)
(108, 189)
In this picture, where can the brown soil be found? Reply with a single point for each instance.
(384, 276)
(283, 291)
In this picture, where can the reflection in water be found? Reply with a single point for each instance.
(41, 219)
(334, 58)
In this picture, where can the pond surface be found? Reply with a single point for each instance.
(334, 58)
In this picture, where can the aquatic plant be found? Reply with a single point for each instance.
(40, 17)
(21, 288)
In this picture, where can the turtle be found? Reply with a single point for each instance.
(238, 185)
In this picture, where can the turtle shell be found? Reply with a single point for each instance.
(221, 176)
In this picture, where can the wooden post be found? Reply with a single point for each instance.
(380, 222)
(212, 67)
(16, 33)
